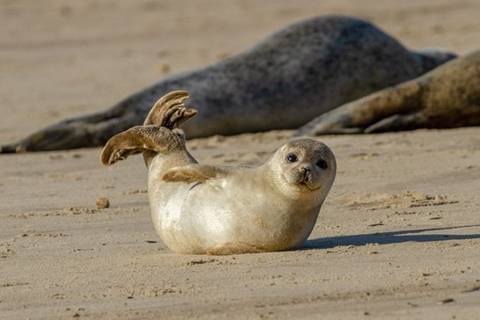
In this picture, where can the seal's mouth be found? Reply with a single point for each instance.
(307, 185)
(305, 180)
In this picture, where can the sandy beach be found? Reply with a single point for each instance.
(397, 238)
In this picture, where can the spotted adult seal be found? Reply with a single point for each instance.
(198, 208)
(283, 82)
(446, 97)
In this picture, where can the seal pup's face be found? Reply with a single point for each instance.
(304, 168)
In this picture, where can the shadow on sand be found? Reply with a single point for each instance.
(415, 235)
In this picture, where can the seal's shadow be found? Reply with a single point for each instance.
(415, 235)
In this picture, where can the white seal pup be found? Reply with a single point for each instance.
(205, 209)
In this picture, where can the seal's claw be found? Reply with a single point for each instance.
(177, 115)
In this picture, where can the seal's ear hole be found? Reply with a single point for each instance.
(133, 141)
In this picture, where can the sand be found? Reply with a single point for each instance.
(397, 238)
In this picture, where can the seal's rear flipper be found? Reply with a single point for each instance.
(159, 134)
(140, 139)
(397, 122)
(95, 129)
(10, 148)
(373, 113)
(193, 173)
(170, 110)
(86, 131)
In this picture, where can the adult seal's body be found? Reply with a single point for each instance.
(283, 82)
(200, 208)
(447, 97)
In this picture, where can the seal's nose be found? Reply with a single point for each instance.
(306, 173)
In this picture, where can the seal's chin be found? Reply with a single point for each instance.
(307, 185)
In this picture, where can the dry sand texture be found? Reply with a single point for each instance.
(398, 237)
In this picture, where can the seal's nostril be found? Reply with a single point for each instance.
(306, 174)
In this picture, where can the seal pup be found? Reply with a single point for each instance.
(286, 80)
(198, 208)
(446, 97)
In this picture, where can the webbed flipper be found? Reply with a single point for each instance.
(397, 122)
(159, 134)
(170, 110)
(361, 115)
(86, 131)
(137, 140)
(193, 173)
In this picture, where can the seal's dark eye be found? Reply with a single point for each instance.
(322, 164)
(291, 157)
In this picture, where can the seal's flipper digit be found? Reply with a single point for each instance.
(137, 140)
(193, 173)
(170, 110)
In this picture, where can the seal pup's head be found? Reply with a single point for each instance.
(303, 169)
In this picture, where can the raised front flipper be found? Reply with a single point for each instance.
(140, 139)
(361, 115)
(193, 173)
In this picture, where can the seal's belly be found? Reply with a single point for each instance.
(189, 221)
(196, 218)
